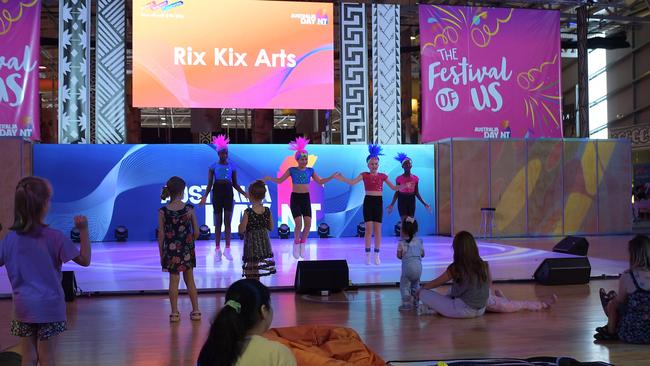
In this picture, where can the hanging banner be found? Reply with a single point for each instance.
(20, 31)
(490, 72)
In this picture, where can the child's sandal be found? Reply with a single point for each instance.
(195, 315)
(174, 317)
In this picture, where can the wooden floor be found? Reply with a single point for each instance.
(134, 330)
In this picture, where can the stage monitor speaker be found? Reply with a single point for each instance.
(69, 284)
(326, 275)
(563, 271)
(572, 245)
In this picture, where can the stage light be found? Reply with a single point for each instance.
(284, 231)
(398, 228)
(323, 230)
(204, 232)
(361, 230)
(75, 235)
(121, 233)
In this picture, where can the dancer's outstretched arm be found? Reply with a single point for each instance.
(236, 185)
(208, 189)
(322, 181)
(417, 194)
(278, 180)
(392, 186)
(392, 203)
(349, 181)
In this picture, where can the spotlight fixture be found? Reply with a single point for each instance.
(398, 228)
(75, 235)
(121, 233)
(361, 229)
(284, 231)
(323, 230)
(204, 232)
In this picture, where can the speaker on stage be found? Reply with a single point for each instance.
(572, 245)
(69, 284)
(326, 275)
(563, 271)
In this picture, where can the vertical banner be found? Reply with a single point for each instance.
(386, 71)
(110, 114)
(20, 31)
(74, 71)
(354, 73)
(490, 72)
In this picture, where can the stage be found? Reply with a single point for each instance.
(133, 266)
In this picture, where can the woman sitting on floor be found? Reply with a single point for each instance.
(628, 312)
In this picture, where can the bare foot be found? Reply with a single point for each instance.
(547, 303)
(499, 293)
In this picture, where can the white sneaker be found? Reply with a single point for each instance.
(377, 260)
(217, 255)
(302, 250)
(226, 253)
(296, 251)
(367, 258)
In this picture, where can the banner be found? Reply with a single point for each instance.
(233, 54)
(120, 184)
(490, 72)
(20, 31)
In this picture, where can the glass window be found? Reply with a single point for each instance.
(597, 87)
(597, 59)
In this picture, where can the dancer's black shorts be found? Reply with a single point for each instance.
(373, 209)
(300, 204)
(222, 197)
(406, 204)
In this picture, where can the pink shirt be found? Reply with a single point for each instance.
(407, 184)
(373, 182)
(33, 264)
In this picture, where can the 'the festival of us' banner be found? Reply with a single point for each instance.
(20, 29)
(490, 72)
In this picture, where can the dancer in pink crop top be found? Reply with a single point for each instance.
(300, 202)
(408, 191)
(373, 182)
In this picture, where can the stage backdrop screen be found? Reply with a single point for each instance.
(120, 184)
(490, 72)
(233, 54)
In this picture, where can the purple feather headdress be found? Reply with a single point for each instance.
(299, 146)
(374, 151)
(220, 142)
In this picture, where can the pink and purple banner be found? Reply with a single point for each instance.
(20, 30)
(490, 72)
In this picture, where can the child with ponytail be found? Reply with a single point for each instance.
(177, 231)
(235, 337)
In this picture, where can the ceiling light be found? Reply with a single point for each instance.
(163, 118)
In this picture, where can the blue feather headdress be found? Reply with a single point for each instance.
(374, 151)
(402, 157)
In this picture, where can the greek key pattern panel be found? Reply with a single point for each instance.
(386, 94)
(354, 74)
(74, 70)
(110, 115)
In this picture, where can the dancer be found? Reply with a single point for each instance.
(627, 311)
(300, 202)
(471, 282)
(373, 183)
(177, 231)
(223, 174)
(255, 226)
(235, 337)
(410, 250)
(33, 254)
(408, 191)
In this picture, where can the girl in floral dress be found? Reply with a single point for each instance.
(177, 231)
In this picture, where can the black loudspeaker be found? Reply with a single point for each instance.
(572, 245)
(69, 283)
(563, 271)
(330, 275)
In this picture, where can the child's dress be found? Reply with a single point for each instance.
(258, 255)
(178, 241)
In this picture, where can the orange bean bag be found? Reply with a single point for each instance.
(325, 345)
